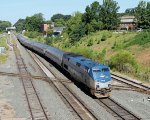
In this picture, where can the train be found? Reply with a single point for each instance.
(93, 75)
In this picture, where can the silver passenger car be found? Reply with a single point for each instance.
(39, 47)
(54, 54)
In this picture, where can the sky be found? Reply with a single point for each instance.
(12, 10)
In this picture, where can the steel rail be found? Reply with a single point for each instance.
(36, 108)
(117, 110)
(137, 85)
(80, 109)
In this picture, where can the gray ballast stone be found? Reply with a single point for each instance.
(134, 101)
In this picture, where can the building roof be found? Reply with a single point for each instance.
(58, 29)
(128, 19)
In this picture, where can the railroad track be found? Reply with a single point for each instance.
(23, 75)
(36, 108)
(118, 111)
(80, 108)
(138, 86)
(81, 111)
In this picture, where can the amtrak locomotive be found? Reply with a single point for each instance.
(95, 76)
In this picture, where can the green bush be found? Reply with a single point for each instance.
(123, 61)
(83, 51)
(100, 57)
(142, 38)
(118, 46)
(3, 43)
(48, 40)
(32, 34)
(104, 37)
(66, 44)
(90, 42)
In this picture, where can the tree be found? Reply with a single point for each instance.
(91, 18)
(57, 16)
(105, 16)
(60, 19)
(75, 27)
(34, 22)
(141, 14)
(60, 16)
(20, 25)
(4, 25)
(109, 15)
(130, 11)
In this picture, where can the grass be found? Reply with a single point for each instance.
(142, 39)
(3, 57)
(102, 46)
(3, 43)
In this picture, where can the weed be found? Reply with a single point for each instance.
(124, 61)
(142, 39)
(90, 42)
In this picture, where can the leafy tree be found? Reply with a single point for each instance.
(48, 22)
(130, 11)
(109, 15)
(142, 14)
(57, 16)
(91, 18)
(34, 22)
(20, 25)
(60, 16)
(67, 17)
(60, 22)
(105, 16)
(4, 24)
(75, 27)
(60, 19)
(50, 32)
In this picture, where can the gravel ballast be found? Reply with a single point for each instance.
(13, 102)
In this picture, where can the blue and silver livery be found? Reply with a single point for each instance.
(94, 75)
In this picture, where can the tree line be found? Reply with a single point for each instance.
(3, 25)
(96, 17)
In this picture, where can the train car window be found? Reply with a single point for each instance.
(105, 70)
(96, 70)
(78, 64)
(66, 66)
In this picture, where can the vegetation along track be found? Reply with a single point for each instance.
(81, 111)
(36, 108)
(138, 86)
(119, 112)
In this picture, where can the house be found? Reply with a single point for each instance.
(128, 23)
(58, 30)
(44, 28)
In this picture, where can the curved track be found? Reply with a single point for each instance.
(136, 84)
(77, 106)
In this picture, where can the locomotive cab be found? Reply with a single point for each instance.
(102, 80)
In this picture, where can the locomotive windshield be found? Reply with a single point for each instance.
(101, 74)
